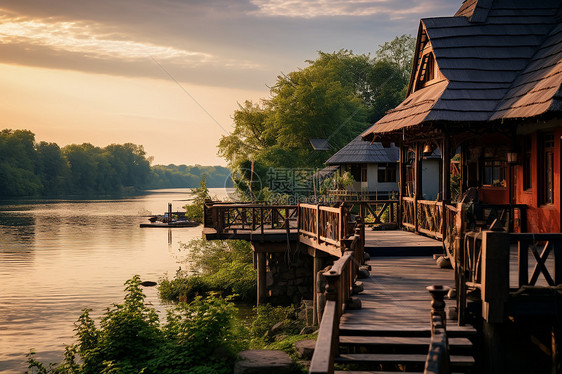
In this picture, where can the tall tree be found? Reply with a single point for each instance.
(335, 97)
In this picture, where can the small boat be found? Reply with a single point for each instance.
(170, 219)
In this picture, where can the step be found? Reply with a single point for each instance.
(374, 372)
(361, 330)
(369, 358)
(399, 341)
(405, 345)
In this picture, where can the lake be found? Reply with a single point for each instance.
(59, 256)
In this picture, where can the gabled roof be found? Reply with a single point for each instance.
(360, 152)
(497, 58)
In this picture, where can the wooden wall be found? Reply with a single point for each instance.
(541, 218)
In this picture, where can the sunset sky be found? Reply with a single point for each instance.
(168, 74)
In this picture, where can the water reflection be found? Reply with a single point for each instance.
(60, 256)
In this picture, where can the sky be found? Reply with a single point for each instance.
(168, 74)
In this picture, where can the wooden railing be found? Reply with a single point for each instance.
(229, 217)
(437, 361)
(409, 213)
(509, 216)
(382, 211)
(344, 195)
(453, 229)
(430, 218)
(484, 264)
(324, 224)
(340, 280)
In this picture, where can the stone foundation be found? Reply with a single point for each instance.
(289, 276)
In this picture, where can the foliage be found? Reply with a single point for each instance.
(183, 176)
(399, 51)
(335, 97)
(337, 182)
(196, 338)
(222, 266)
(28, 168)
(267, 316)
(194, 211)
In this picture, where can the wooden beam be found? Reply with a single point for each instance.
(418, 182)
(495, 275)
(402, 165)
(446, 162)
(262, 283)
(327, 248)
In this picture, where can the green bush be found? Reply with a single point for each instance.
(224, 267)
(197, 338)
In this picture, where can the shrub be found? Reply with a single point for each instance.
(197, 338)
(223, 266)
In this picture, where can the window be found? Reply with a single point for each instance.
(386, 173)
(427, 70)
(363, 173)
(527, 160)
(494, 173)
(355, 170)
(546, 168)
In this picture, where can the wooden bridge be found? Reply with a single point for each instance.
(501, 278)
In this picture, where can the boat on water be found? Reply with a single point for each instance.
(170, 219)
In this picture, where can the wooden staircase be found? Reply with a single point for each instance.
(401, 350)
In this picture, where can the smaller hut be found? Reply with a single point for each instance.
(373, 167)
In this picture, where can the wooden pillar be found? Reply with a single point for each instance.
(556, 365)
(316, 268)
(262, 283)
(446, 158)
(402, 180)
(418, 182)
(495, 275)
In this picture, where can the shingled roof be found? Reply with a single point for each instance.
(498, 59)
(360, 152)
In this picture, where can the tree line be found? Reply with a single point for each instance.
(30, 168)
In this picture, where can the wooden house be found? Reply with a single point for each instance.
(487, 82)
(373, 167)
(375, 170)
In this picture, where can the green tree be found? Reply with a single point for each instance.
(335, 97)
(17, 164)
(52, 168)
(399, 51)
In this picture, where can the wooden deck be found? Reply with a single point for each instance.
(400, 243)
(395, 297)
(270, 235)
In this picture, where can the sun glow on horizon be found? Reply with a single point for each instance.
(68, 107)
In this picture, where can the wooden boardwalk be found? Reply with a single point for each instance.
(395, 296)
(399, 243)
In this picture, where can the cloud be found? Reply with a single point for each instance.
(89, 40)
(343, 8)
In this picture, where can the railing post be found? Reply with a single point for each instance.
(495, 275)
(317, 228)
(523, 262)
(438, 293)
(437, 361)
(262, 283)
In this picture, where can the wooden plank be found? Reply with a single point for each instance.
(330, 249)
(557, 262)
(367, 358)
(399, 341)
(322, 362)
(523, 262)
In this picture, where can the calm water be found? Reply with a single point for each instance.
(60, 256)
